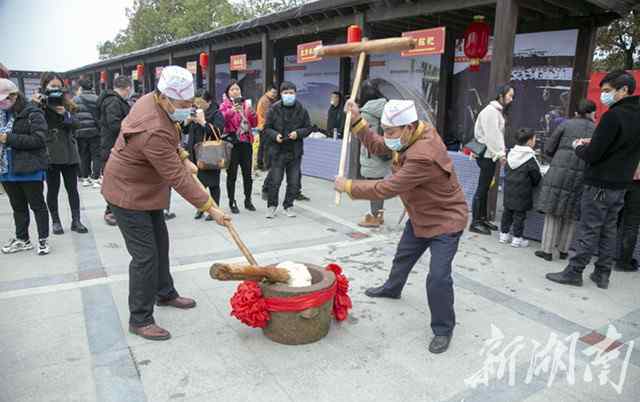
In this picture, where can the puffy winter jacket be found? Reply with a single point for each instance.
(28, 141)
(86, 114)
(112, 109)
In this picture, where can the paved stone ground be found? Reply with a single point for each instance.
(63, 320)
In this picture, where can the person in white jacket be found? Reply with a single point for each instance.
(489, 131)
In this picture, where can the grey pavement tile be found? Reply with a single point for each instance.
(39, 307)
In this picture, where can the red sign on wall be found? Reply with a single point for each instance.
(238, 62)
(430, 41)
(305, 52)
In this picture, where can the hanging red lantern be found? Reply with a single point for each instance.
(476, 42)
(140, 71)
(354, 34)
(103, 76)
(204, 61)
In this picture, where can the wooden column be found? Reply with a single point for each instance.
(504, 32)
(211, 73)
(447, 61)
(171, 58)
(582, 65)
(199, 73)
(279, 73)
(122, 69)
(267, 61)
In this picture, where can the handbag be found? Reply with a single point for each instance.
(213, 154)
(475, 147)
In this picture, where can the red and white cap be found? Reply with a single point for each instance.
(397, 113)
(177, 83)
(7, 87)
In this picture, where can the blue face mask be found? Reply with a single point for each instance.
(607, 98)
(394, 144)
(288, 99)
(180, 115)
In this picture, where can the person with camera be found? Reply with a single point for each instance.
(62, 146)
(88, 134)
(287, 124)
(23, 163)
(239, 121)
(202, 125)
(112, 109)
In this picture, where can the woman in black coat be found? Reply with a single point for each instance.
(208, 123)
(562, 185)
(23, 162)
(64, 159)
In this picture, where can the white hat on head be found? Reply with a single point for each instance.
(398, 113)
(7, 87)
(176, 83)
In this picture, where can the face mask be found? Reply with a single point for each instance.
(180, 115)
(7, 104)
(394, 144)
(607, 98)
(288, 100)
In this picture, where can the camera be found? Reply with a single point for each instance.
(53, 97)
(238, 101)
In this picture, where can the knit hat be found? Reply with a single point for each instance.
(399, 113)
(176, 83)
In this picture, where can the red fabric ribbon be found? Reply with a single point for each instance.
(250, 307)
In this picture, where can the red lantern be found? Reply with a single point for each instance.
(476, 42)
(140, 72)
(204, 61)
(66, 82)
(354, 34)
(103, 76)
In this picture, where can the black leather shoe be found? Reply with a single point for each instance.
(564, 256)
(248, 205)
(439, 344)
(489, 225)
(479, 228)
(601, 280)
(234, 207)
(380, 292)
(56, 227)
(169, 215)
(543, 255)
(566, 277)
(198, 215)
(302, 197)
(78, 227)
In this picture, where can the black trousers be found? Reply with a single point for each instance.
(70, 176)
(597, 229)
(439, 280)
(90, 157)
(628, 226)
(147, 240)
(281, 164)
(487, 172)
(22, 196)
(262, 152)
(515, 218)
(241, 156)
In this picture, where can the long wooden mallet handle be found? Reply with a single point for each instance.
(389, 45)
(232, 230)
(346, 136)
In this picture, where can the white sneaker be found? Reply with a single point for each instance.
(86, 182)
(519, 242)
(272, 212)
(289, 212)
(15, 246)
(96, 184)
(505, 238)
(43, 247)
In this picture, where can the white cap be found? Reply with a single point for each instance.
(7, 87)
(398, 113)
(177, 83)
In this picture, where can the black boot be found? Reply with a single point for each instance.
(76, 225)
(543, 255)
(439, 344)
(380, 292)
(601, 279)
(478, 227)
(489, 225)
(566, 277)
(249, 205)
(233, 205)
(56, 225)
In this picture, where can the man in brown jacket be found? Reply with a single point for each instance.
(424, 179)
(145, 163)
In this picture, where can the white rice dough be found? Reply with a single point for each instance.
(299, 275)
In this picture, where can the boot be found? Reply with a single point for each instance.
(248, 205)
(566, 277)
(601, 279)
(380, 216)
(56, 225)
(369, 221)
(478, 227)
(233, 205)
(76, 225)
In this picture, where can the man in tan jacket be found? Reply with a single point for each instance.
(424, 179)
(145, 163)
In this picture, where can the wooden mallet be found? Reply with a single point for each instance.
(361, 48)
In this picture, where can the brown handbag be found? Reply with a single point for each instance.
(213, 154)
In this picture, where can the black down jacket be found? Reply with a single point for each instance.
(523, 174)
(28, 141)
(285, 120)
(112, 109)
(87, 115)
(562, 185)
